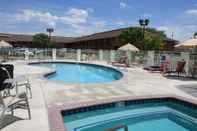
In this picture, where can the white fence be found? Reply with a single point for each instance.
(70, 54)
(141, 58)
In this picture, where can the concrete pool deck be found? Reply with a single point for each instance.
(136, 82)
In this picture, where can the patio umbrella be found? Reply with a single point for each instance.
(4, 49)
(191, 43)
(129, 47)
(4, 44)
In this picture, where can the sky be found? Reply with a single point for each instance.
(84, 17)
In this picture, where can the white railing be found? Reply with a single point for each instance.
(141, 58)
(69, 54)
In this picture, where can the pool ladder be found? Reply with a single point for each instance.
(115, 128)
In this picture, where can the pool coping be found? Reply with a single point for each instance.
(56, 120)
(53, 71)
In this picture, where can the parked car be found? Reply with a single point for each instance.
(23, 51)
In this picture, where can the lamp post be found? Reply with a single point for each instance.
(144, 23)
(50, 30)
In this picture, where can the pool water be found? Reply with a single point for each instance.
(81, 73)
(165, 116)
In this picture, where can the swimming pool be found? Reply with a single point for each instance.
(68, 72)
(140, 115)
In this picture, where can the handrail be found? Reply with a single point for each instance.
(115, 128)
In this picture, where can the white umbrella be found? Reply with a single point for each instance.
(129, 47)
(189, 43)
(5, 44)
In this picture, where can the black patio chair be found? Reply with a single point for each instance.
(6, 72)
(18, 101)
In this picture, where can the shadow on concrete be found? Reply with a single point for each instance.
(180, 78)
(8, 119)
(189, 88)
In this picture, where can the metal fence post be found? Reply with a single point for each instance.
(26, 54)
(65, 51)
(54, 53)
(186, 57)
(112, 55)
(78, 54)
(101, 55)
(150, 58)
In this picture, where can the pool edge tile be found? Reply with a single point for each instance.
(55, 112)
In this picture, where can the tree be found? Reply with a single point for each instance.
(40, 40)
(132, 35)
(195, 35)
(152, 40)
(51, 45)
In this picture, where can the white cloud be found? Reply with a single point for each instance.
(89, 28)
(73, 16)
(91, 10)
(123, 5)
(192, 12)
(146, 15)
(181, 32)
(100, 24)
(163, 28)
(43, 17)
(120, 23)
(74, 22)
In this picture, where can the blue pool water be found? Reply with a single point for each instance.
(165, 116)
(82, 73)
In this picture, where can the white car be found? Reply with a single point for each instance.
(23, 51)
(29, 53)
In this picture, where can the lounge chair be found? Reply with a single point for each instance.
(14, 102)
(20, 81)
(3, 113)
(10, 102)
(6, 72)
(180, 69)
(163, 67)
(8, 81)
(154, 68)
(123, 61)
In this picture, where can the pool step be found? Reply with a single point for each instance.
(115, 128)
